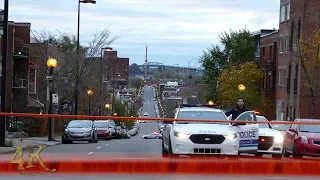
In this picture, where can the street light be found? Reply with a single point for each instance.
(89, 92)
(51, 63)
(241, 87)
(77, 59)
(107, 106)
(117, 75)
(210, 103)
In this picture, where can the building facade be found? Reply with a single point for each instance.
(299, 19)
(18, 70)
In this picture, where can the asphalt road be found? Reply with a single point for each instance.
(124, 148)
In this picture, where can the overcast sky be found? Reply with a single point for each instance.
(177, 31)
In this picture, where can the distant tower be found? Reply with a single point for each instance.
(146, 64)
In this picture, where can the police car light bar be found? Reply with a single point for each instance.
(196, 105)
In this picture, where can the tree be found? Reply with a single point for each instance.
(247, 74)
(65, 75)
(137, 83)
(238, 47)
(307, 51)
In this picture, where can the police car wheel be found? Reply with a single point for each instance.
(165, 153)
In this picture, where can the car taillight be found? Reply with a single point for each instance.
(262, 140)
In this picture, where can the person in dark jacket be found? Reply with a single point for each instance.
(236, 111)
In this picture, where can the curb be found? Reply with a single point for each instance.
(26, 147)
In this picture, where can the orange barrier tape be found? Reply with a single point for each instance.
(165, 166)
(86, 117)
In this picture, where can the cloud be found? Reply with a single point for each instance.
(176, 31)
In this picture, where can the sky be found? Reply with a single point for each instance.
(176, 31)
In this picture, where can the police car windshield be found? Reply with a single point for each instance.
(202, 115)
(260, 118)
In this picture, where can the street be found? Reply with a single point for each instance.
(123, 148)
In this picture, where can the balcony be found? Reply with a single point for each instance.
(20, 83)
(21, 53)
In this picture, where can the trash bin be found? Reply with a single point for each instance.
(20, 125)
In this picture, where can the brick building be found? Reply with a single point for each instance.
(298, 19)
(268, 63)
(18, 74)
(114, 65)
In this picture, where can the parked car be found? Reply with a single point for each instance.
(103, 128)
(80, 130)
(119, 132)
(302, 139)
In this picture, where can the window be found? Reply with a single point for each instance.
(291, 34)
(281, 45)
(282, 13)
(202, 115)
(289, 79)
(288, 12)
(284, 73)
(287, 45)
(269, 81)
(263, 51)
(32, 80)
(299, 29)
(295, 85)
(280, 71)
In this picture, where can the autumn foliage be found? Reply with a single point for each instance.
(247, 74)
(307, 50)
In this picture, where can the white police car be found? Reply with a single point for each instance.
(270, 140)
(199, 138)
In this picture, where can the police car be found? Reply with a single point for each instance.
(270, 140)
(199, 138)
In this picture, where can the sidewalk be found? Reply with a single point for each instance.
(29, 141)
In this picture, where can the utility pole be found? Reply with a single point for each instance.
(4, 72)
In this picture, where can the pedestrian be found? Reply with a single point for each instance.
(236, 111)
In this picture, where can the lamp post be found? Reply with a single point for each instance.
(113, 86)
(107, 106)
(89, 92)
(101, 82)
(51, 63)
(77, 59)
(4, 72)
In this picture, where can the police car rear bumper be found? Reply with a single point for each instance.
(183, 146)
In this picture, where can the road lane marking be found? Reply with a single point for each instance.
(98, 147)
(90, 153)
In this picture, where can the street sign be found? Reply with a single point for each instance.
(55, 99)
(48, 78)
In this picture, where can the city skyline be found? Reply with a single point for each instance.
(176, 32)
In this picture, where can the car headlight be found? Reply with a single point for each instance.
(304, 139)
(66, 130)
(231, 136)
(180, 135)
(88, 131)
(278, 138)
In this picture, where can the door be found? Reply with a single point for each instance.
(248, 132)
